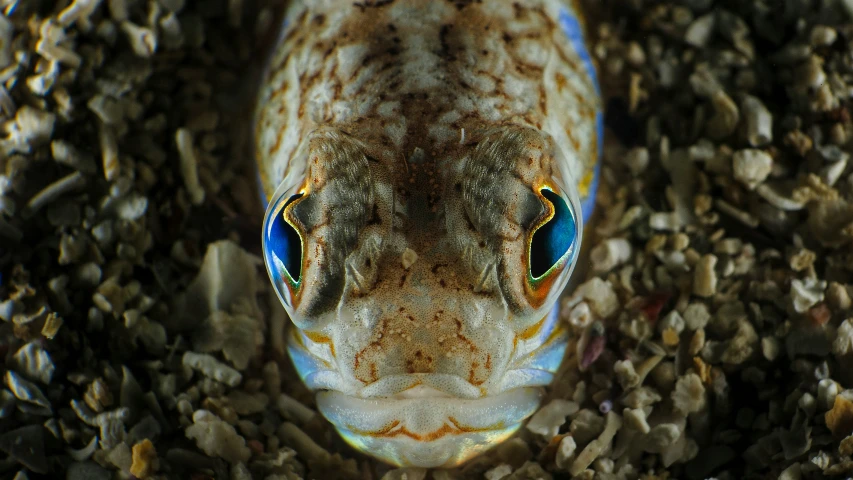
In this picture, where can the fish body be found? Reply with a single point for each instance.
(427, 167)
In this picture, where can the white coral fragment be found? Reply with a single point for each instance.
(217, 438)
(609, 254)
(806, 293)
(689, 394)
(566, 451)
(238, 337)
(212, 368)
(189, 165)
(501, 471)
(599, 294)
(228, 277)
(548, 420)
(843, 343)
(635, 418)
(705, 277)
(597, 446)
(34, 362)
(143, 40)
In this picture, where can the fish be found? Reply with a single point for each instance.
(427, 168)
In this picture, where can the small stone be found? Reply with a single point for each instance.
(822, 36)
(641, 397)
(291, 409)
(610, 254)
(87, 471)
(189, 165)
(600, 295)
(121, 457)
(625, 374)
(759, 122)
(210, 367)
(705, 278)
(840, 418)
(566, 452)
(771, 347)
(98, 395)
(819, 315)
(661, 437)
(699, 32)
(696, 316)
(793, 472)
(670, 337)
(217, 438)
(726, 116)
(665, 221)
(26, 391)
(827, 390)
(637, 160)
(806, 293)
(33, 361)
(548, 420)
(843, 342)
(596, 447)
(26, 445)
(846, 446)
(248, 404)
(635, 55)
(586, 425)
(501, 471)
(142, 39)
(635, 418)
(751, 167)
(144, 460)
(689, 394)
(697, 342)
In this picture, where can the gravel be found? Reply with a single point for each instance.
(713, 331)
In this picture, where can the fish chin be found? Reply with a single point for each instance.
(428, 429)
(434, 419)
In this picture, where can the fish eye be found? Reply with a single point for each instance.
(284, 243)
(553, 240)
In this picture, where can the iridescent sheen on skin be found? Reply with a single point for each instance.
(410, 152)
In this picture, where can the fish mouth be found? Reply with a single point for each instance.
(421, 385)
(428, 420)
(425, 427)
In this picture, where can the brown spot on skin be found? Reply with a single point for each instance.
(461, 4)
(561, 81)
(445, 47)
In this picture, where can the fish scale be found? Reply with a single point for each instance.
(427, 168)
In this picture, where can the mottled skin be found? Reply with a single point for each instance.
(421, 134)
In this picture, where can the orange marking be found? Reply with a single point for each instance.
(467, 429)
(532, 330)
(455, 429)
(528, 333)
(585, 183)
(320, 338)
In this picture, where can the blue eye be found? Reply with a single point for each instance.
(284, 244)
(552, 240)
